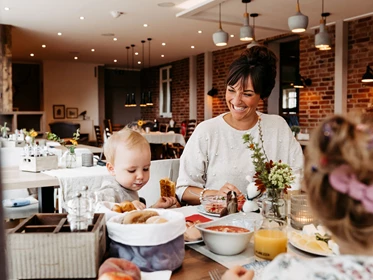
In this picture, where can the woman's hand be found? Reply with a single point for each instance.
(165, 202)
(228, 187)
(239, 273)
(139, 205)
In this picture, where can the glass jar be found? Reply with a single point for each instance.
(71, 159)
(274, 205)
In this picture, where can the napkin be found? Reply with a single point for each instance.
(156, 275)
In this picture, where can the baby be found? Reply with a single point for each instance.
(128, 161)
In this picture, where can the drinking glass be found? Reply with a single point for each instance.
(300, 212)
(271, 239)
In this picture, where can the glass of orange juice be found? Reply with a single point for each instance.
(271, 239)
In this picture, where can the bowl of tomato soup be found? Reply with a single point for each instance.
(231, 234)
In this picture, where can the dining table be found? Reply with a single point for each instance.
(158, 137)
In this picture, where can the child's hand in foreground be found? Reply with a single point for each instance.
(139, 205)
(238, 273)
(165, 202)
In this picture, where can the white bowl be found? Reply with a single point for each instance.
(228, 243)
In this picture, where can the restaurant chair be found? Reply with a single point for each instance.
(163, 127)
(158, 151)
(190, 129)
(107, 126)
(175, 150)
(64, 129)
(117, 127)
(99, 138)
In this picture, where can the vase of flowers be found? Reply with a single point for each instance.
(70, 144)
(4, 130)
(30, 136)
(271, 178)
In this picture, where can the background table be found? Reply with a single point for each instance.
(160, 137)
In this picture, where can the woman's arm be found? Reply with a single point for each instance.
(192, 195)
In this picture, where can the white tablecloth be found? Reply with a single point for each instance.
(160, 137)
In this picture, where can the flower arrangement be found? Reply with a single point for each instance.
(271, 176)
(140, 123)
(73, 141)
(30, 135)
(4, 130)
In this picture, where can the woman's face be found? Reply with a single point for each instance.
(242, 102)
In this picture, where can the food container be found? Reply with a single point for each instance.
(213, 204)
(43, 247)
(230, 243)
(37, 164)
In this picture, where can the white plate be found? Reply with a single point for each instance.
(201, 210)
(193, 242)
(308, 250)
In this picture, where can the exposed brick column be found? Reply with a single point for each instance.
(6, 87)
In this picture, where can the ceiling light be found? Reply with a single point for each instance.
(149, 101)
(43, 46)
(163, 44)
(116, 14)
(145, 25)
(220, 37)
(166, 4)
(82, 18)
(115, 39)
(192, 47)
(253, 42)
(368, 76)
(59, 34)
(136, 53)
(92, 50)
(31, 54)
(322, 39)
(138, 62)
(301, 82)
(75, 57)
(115, 60)
(232, 35)
(6, 9)
(298, 22)
(246, 32)
(199, 31)
(162, 55)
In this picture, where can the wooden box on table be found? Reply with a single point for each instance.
(37, 164)
(43, 247)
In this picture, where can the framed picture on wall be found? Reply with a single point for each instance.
(58, 111)
(72, 113)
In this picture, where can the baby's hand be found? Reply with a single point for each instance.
(139, 205)
(165, 202)
(239, 273)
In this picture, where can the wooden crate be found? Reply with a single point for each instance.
(37, 164)
(43, 247)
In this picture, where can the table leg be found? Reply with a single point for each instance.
(46, 199)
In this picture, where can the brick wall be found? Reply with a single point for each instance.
(200, 87)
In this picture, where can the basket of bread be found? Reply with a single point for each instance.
(152, 239)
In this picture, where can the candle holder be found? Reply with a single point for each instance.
(300, 212)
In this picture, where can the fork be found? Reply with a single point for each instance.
(215, 274)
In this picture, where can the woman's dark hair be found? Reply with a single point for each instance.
(258, 63)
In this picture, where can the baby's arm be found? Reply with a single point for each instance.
(165, 202)
(139, 205)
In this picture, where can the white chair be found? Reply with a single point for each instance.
(159, 169)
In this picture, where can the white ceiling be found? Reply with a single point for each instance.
(37, 22)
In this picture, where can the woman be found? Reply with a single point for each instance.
(215, 160)
(339, 184)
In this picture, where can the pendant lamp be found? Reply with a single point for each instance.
(322, 39)
(149, 101)
(133, 99)
(301, 82)
(253, 42)
(220, 37)
(128, 97)
(246, 32)
(298, 22)
(143, 96)
(368, 76)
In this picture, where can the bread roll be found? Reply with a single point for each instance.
(156, 220)
(127, 206)
(167, 187)
(117, 208)
(138, 216)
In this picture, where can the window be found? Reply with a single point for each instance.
(289, 100)
(165, 92)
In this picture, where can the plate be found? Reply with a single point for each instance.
(193, 242)
(294, 240)
(201, 210)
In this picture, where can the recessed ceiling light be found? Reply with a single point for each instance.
(166, 4)
(192, 47)
(115, 39)
(59, 34)
(199, 31)
(163, 44)
(92, 50)
(82, 18)
(43, 46)
(75, 57)
(115, 60)
(145, 25)
(232, 35)
(6, 9)
(136, 53)
(138, 62)
(162, 55)
(31, 54)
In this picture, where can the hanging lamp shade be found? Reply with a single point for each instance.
(322, 39)
(149, 101)
(368, 76)
(253, 42)
(246, 32)
(220, 37)
(298, 22)
(143, 99)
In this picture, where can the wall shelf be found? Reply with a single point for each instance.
(24, 119)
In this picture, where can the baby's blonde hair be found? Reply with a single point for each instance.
(127, 137)
(339, 141)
